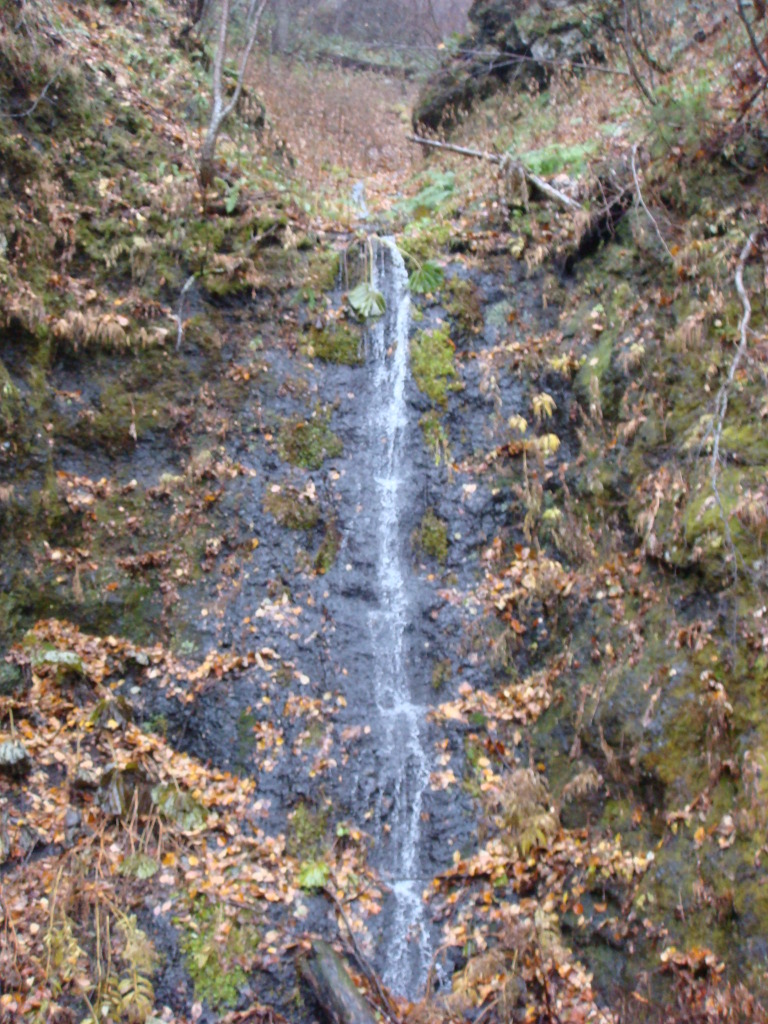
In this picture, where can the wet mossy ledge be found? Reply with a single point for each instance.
(338, 342)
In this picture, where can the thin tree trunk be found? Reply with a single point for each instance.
(219, 110)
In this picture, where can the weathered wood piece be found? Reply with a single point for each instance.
(533, 179)
(327, 975)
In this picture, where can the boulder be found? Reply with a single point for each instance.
(511, 42)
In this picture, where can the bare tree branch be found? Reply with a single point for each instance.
(751, 33)
(721, 404)
(180, 314)
(640, 199)
(41, 97)
(641, 45)
(510, 59)
(627, 44)
(495, 158)
(748, 103)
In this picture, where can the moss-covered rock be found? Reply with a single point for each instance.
(462, 300)
(432, 364)
(529, 40)
(339, 342)
(219, 946)
(309, 442)
(432, 536)
(329, 548)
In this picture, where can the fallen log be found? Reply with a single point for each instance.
(533, 179)
(327, 975)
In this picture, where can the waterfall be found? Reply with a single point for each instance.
(403, 761)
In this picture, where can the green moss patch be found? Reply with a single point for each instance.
(309, 442)
(337, 343)
(435, 436)
(329, 548)
(307, 831)
(463, 303)
(432, 536)
(432, 364)
(219, 948)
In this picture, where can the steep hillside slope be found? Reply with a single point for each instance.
(183, 759)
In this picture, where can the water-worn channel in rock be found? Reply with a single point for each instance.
(400, 719)
(382, 636)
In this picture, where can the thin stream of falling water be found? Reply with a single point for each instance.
(405, 766)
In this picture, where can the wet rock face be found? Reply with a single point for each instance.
(321, 626)
(513, 41)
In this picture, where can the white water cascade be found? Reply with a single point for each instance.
(403, 760)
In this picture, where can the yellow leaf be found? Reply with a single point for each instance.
(548, 444)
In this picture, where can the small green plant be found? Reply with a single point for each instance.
(307, 831)
(366, 301)
(179, 807)
(313, 874)
(157, 725)
(231, 194)
(439, 190)
(435, 437)
(553, 159)
(432, 536)
(441, 673)
(130, 996)
(682, 115)
(426, 277)
(219, 948)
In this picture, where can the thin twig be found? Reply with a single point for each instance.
(749, 102)
(510, 59)
(626, 44)
(495, 158)
(40, 98)
(751, 33)
(721, 405)
(180, 315)
(651, 218)
(388, 1008)
(643, 49)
